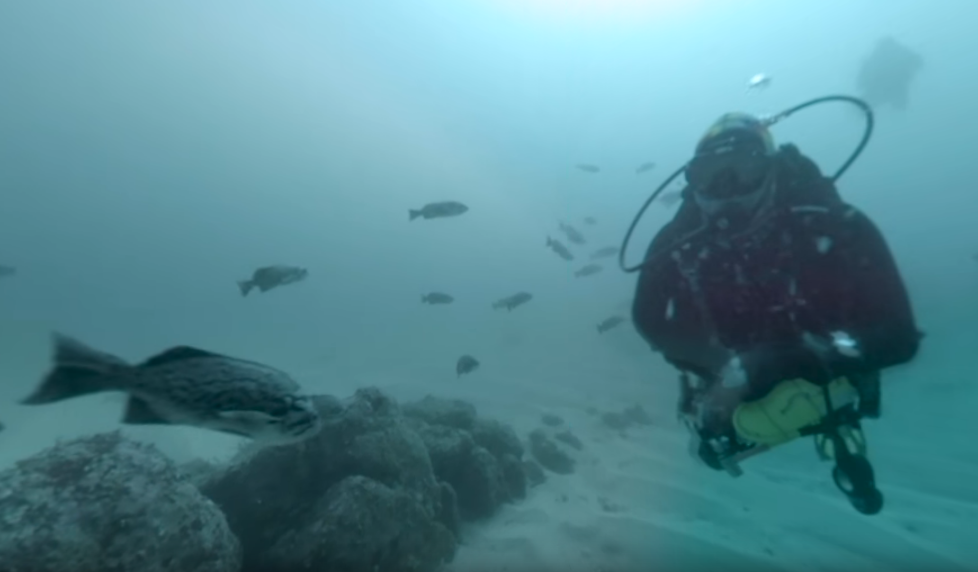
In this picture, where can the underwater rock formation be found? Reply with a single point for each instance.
(105, 502)
(480, 458)
(360, 496)
(550, 455)
(376, 490)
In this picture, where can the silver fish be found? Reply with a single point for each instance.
(588, 168)
(758, 81)
(441, 209)
(466, 364)
(270, 277)
(588, 270)
(645, 167)
(437, 298)
(590, 220)
(559, 248)
(572, 234)
(609, 323)
(186, 386)
(7, 271)
(606, 252)
(513, 301)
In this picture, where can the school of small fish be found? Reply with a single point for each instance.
(189, 386)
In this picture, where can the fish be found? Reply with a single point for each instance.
(7, 271)
(609, 323)
(758, 82)
(606, 252)
(590, 220)
(645, 167)
(437, 298)
(185, 386)
(270, 277)
(559, 248)
(442, 209)
(887, 73)
(587, 168)
(589, 270)
(513, 301)
(466, 364)
(572, 234)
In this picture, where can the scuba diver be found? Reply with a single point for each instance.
(778, 302)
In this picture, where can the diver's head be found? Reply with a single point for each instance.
(731, 172)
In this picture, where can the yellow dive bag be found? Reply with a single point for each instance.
(791, 406)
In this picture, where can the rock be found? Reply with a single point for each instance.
(534, 474)
(327, 405)
(615, 421)
(197, 471)
(630, 416)
(480, 479)
(274, 497)
(449, 515)
(498, 439)
(482, 484)
(569, 438)
(363, 525)
(636, 414)
(551, 420)
(448, 412)
(514, 476)
(105, 502)
(549, 455)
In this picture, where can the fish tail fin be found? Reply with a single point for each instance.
(549, 241)
(78, 370)
(413, 214)
(245, 286)
(424, 298)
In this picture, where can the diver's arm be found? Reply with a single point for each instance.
(883, 330)
(667, 319)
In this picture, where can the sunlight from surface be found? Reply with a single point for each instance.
(600, 10)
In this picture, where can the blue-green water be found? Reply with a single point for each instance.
(151, 154)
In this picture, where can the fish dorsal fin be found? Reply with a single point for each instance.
(178, 353)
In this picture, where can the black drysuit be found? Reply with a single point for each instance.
(816, 266)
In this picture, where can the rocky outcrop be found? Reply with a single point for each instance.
(549, 454)
(360, 496)
(108, 503)
(480, 458)
(376, 490)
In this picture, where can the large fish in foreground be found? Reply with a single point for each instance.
(186, 386)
